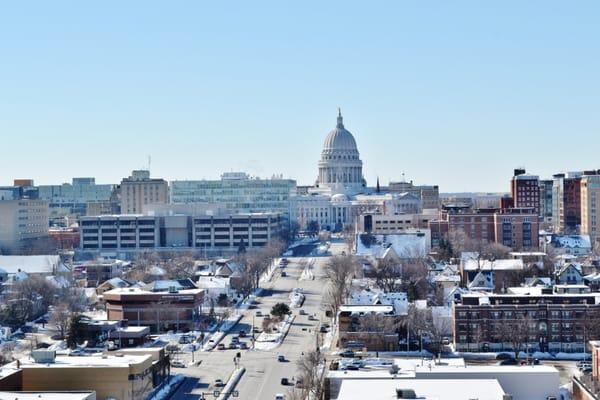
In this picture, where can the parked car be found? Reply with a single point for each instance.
(177, 364)
(259, 313)
(235, 340)
(285, 381)
(301, 312)
(510, 361)
(219, 383)
(232, 345)
(243, 346)
(311, 318)
(347, 354)
(221, 346)
(242, 334)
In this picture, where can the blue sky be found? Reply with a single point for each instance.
(450, 93)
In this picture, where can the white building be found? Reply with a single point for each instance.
(72, 198)
(237, 192)
(21, 222)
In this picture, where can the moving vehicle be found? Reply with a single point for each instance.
(280, 358)
(301, 312)
(235, 340)
(283, 274)
(280, 396)
(285, 381)
(221, 346)
(510, 361)
(177, 364)
(219, 383)
(259, 313)
(347, 354)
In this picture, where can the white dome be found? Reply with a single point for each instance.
(340, 139)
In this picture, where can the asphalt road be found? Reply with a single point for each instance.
(262, 379)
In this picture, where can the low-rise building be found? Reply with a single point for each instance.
(172, 309)
(537, 321)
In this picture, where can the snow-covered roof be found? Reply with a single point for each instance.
(165, 285)
(487, 265)
(30, 264)
(398, 300)
(405, 245)
(571, 241)
(484, 280)
(366, 309)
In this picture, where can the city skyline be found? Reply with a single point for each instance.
(456, 96)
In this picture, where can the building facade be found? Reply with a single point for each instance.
(22, 221)
(525, 190)
(72, 198)
(139, 190)
(590, 203)
(566, 202)
(428, 194)
(237, 193)
(554, 322)
(122, 234)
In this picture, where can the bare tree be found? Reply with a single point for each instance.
(340, 271)
(516, 332)
(311, 369)
(60, 317)
(415, 282)
(388, 274)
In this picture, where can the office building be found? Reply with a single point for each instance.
(139, 190)
(590, 205)
(428, 194)
(22, 222)
(237, 192)
(70, 199)
(546, 202)
(125, 235)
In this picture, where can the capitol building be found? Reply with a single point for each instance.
(340, 193)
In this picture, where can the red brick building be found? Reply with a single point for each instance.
(161, 311)
(525, 190)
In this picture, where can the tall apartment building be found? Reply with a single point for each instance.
(22, 221)
(546, 201)
(566, 202)
(429, 194)
(590, 203)
(128, 234)
(139, 190)
(525, 190)
(72, 198)
(237, 192)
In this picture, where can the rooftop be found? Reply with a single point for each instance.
(47, 395)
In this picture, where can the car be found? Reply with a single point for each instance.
(352, 367)
(281, 358)
(242, 334)
(221, 346)
(283, 274)
(504, 356)
(232, 346)
(235, 340)
(586, 370)
(177, 364)
(285, 381)
(256, 329)
(323, 329)
(311, 318)
(280, 396)
(301, 312)
(259, 313)
(509, 361)
(219, 383)
(347, 354)
(243, 346)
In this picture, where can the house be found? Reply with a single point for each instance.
(569, 274)
(503, 271)
(483, 281)
(577, 245)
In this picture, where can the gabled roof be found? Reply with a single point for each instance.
(484, 280)
(569, 266)
(571, 241)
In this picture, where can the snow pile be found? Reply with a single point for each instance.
(163, 394)
(269, 341)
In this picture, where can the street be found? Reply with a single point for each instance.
(262, 379)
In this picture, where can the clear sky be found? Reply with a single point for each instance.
(449, 92)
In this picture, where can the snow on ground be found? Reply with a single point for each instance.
(163, 394)
(269, 341)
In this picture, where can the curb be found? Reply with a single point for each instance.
(232, 382)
